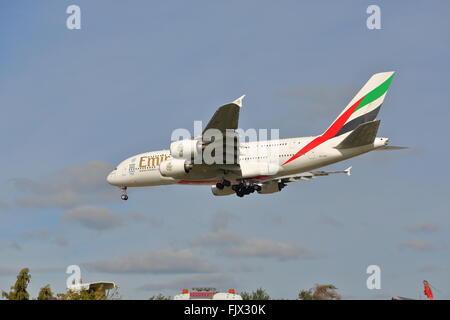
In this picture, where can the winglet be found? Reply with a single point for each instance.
(348, 171)
(238, 101)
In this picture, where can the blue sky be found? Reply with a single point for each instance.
(75, 103)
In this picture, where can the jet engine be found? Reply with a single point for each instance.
(175, 168)
(186, 149)
(221, 192)
(271, 187)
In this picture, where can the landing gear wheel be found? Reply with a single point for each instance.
(239, 194)
(124, 195)
(226, 183)
(220, 186)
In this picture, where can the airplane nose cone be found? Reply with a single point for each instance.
(110, 178)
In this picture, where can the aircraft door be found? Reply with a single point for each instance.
(311, 155)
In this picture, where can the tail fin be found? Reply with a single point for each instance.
(364, 106)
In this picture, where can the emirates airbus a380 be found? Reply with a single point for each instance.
(218, 158)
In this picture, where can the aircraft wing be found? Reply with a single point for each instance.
(226, 117)
(310, 175)
(225, 120)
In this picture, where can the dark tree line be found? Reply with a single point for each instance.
(19, 292)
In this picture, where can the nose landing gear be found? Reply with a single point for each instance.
(124, 195)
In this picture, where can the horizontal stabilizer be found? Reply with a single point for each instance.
(363, 135)
(391, 148)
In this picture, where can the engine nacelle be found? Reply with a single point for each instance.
(271, 187)
(224, 192)
(186, 149)
(175, 168)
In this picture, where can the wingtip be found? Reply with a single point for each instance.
(239, 100)
(348, 171)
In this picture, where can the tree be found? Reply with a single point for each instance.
(259, 294)
(45, 293)
(320, 292)
(19, 290)
(159, 297)
(84, 294)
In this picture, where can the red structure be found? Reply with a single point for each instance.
(427, 290)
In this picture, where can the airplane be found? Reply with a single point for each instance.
(259, 166)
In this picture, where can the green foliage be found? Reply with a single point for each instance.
(259, 294)
(19, 290)
(320, 292)
(45, 293)
(83, 295)
(99, 294)
(159, 297)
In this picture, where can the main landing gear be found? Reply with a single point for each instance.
(223, 184)
(243, 189)
(124, 195)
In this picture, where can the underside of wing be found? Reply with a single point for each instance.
(309, 175)
(226, 117)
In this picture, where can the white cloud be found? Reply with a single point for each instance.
(71, 186)
(8, 271)
(99, 218)
(220, 238)
(247, 267)
(221, 220)
(13, 245)
(91, 217)
(231, 244)
(214, 280)
(46, 235)
(155, 261)
(12, 271)
(418, 244)
(264, 248)
(424, 228)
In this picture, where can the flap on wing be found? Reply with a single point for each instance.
(226, 117)
(364, 134)
(309, 175)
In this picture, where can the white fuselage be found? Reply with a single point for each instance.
(143, 169)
